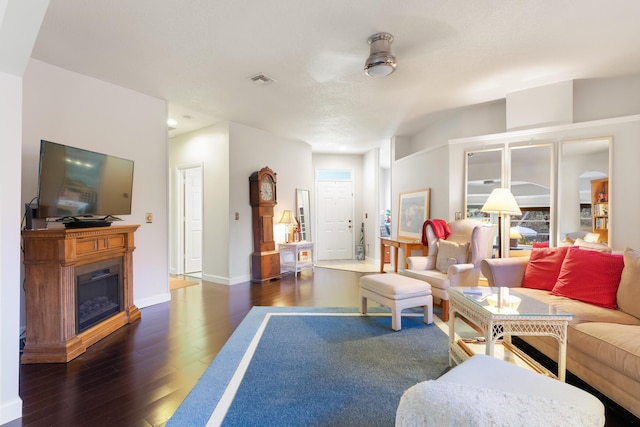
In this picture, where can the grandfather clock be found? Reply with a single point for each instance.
(265, 260)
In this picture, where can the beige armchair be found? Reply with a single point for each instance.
(455, 262)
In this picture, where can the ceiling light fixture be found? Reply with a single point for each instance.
(381, 61)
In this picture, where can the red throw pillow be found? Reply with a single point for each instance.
(590, 276)
(540, 245)
(544, 267)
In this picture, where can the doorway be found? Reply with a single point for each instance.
(335, 215)
(189, 189)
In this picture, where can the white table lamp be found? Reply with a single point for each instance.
(503, 203)
(287, 218)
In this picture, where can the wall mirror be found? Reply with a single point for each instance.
(531, 182)
(303, 214)
(483, 173)
(583, 197)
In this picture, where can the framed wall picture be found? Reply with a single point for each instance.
(413, 211)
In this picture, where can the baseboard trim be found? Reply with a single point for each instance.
(11, 410)
(157, 299)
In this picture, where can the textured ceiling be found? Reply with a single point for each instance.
(198, 55)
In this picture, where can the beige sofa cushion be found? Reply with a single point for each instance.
(582, 311)
(592, 246)
(629, 290)
(611, 345)
(591, 237)
(616, 346)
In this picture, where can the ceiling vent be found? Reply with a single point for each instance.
(261, 79)
(381, 62)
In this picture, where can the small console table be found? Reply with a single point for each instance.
(406, 245)
(292, 257)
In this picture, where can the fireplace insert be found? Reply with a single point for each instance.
(99, 292)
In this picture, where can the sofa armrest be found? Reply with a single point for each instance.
(463, 275)
(504, 272)
(421, 262)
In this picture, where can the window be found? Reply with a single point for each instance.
(532, 226)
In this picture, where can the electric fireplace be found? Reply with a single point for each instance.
(78, 289)
(98, 292)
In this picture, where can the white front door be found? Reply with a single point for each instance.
(335, 220)
(192, 220)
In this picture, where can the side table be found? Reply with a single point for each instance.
(407, 246)
(293, 257)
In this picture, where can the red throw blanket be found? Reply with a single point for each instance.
(440, 229)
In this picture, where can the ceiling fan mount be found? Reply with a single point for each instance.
(381, 61)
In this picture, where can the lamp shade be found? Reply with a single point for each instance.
(287, 217)
(502, 202)
(514, 233)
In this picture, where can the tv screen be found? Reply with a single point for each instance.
(73, 182)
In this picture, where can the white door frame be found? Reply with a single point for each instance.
(318, 173)
(179, 194)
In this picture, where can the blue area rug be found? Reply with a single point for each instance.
(308, 366)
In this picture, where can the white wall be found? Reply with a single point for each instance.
(385, 188)
(480, 119)
(606, 98)
(10, 214)
(427, 169)
(594, 99)
(19, 25)
(229, 153)
(371, 204)
(250, 150)
(523, 107)
(84, 112)
(208, 147)
(423, 160)
(624, 229)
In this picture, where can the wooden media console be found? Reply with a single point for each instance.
(51, 258)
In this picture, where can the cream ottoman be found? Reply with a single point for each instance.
(396, 292)
(486, 391)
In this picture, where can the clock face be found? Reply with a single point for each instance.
(266, 190)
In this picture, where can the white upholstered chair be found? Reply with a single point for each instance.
(455, 262)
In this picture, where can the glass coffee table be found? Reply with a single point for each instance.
(500, 313)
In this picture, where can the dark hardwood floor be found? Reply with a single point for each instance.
(139, 375)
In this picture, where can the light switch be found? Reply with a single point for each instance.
(148, 217)
(237, 216)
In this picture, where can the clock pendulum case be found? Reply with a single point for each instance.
(265, 260)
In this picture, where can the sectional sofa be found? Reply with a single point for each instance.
(602, 291)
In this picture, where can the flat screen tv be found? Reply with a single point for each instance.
(74, 183)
